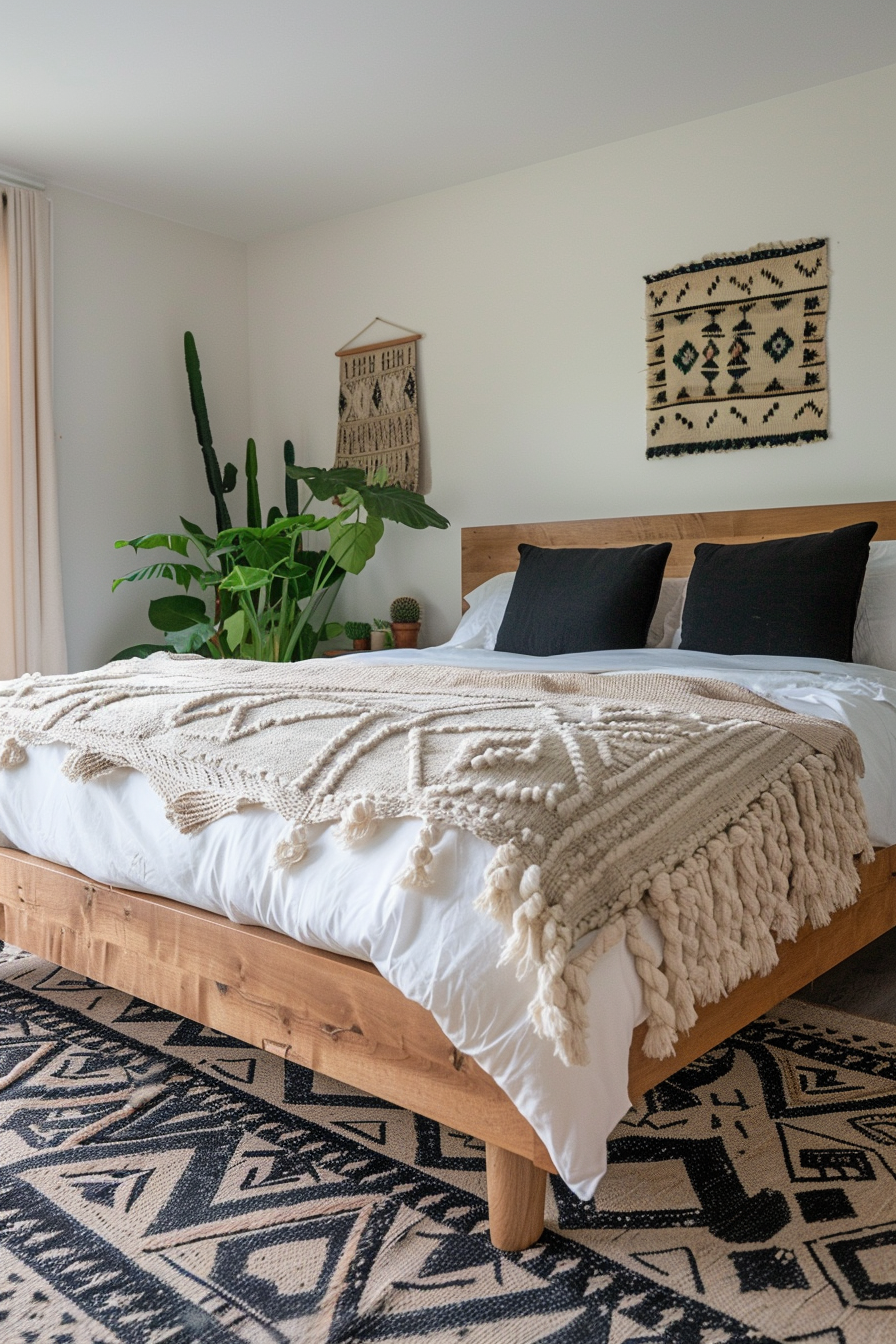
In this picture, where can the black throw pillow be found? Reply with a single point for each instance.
(571, 600)
(795, 597)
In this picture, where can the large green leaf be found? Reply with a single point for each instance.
(219, 551)
(333, 573)
(235, 628)
(300, 577)
(325, 482)
(296, 569)
(300, 522)
(139, 651)
(171, 541)
(303, 571)
(245, 579)
(176, 612)
(268, 545)
(400, 506)
(169, 569)
(235, 536)
(209, 578)
(376, 527)
(200, 538)
(353, 544)
(192, 639)
(266, 552)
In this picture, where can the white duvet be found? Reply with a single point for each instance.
(431, 944)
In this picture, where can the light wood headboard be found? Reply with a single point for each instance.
(486, 551)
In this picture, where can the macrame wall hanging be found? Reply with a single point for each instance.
(736, 350)
(378, 422)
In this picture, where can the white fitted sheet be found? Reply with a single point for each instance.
(430, 944)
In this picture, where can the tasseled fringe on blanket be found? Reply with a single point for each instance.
(720, 912)
(503, 881)
(358, 823)
(418, 871)
(12, 754)
(291, 848)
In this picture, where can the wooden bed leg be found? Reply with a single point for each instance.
(516, 1190)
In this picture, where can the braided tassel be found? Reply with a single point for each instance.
(292, 847)
(502, 884)
(661, 1034)
(417, 874)
(359, 821)
(524, 944)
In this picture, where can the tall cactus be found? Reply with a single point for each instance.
(292, 485)
(204, 432)
(253, 503)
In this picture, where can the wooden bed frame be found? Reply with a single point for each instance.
(340, 1016)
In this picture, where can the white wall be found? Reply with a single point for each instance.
(528, 287)
(127, 286)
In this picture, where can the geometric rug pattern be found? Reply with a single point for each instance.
(736, 350)
(161, 1183)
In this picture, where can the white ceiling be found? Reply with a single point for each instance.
(249, 117)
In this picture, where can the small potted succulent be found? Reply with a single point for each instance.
(405, 614)
(381, 635)
(359, 633)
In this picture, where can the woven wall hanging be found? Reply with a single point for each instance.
(736, 350)
(378, 422)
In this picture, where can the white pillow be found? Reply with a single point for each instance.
(478, 628)
(874, 637)
(667, 617)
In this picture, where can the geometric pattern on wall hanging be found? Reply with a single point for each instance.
(378, 421)
(736, 353)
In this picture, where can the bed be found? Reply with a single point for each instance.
(338, 1014)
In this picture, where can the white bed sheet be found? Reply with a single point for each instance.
(431, 945)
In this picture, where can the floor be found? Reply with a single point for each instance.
(864, 984)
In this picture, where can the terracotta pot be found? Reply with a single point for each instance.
(405, 634)
(361, 644)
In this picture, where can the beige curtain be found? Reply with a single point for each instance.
(32, 634)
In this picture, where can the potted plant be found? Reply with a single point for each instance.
(272, 592)
(359, 633)
(381, 635)
(405, 614)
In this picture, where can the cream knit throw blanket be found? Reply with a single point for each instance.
(729, 820)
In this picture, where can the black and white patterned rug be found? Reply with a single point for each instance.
(163, 1184)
